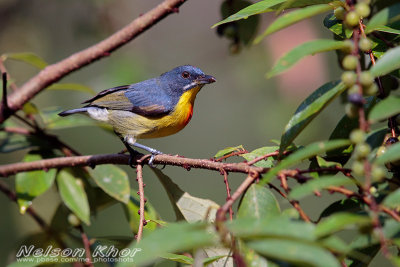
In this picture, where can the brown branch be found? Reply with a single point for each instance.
(142, 219)
(228, 192)
(93, 160)
(86, 244)
(55, 72)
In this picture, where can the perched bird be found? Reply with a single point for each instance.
(152, 108)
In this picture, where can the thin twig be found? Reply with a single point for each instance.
(86, 244)
(142, 219)
(57, 71)
(228, 192)
(93, 160)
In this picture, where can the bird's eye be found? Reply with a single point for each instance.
(185, 75)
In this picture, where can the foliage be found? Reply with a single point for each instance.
(360, 162)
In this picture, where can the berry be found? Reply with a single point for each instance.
(349, 78)
(381, 151)
(350, 62)
(349, 46)
(73, 220)
(357, 136)
(352, 18)
(356, 99)
(365, 44)
(351, 110)
(340, 13)
(372, 90)
(362, 9)
(377, 173)
(366, 79)
(355, 89)
(358, 168)
(362, 150)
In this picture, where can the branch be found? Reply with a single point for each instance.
(93, 160)
(55, 72)
(142, 219)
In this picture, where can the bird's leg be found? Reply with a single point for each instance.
(131, 151)
(153, 152)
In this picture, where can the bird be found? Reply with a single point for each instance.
(153, 108)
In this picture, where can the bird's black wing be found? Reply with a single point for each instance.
(145, 98)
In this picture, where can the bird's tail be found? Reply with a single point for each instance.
(72, 111)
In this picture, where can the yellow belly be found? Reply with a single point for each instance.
(139, 127)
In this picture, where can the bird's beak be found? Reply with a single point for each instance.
(205, 79)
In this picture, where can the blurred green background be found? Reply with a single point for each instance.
(242, 108)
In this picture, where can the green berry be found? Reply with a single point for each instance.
(340, 13)
(377, 173)
(349, 78)
(366, 79)
(349, 46)
(358, 168)
(365, 44)
(362, 150)
(73, 220)
(362, 9)
(381, 151)
(351, 110)
(350, 62)
(371, 90)
(352, 18)
(355, 89)
(357, 136)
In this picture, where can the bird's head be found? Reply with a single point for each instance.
(185, 78)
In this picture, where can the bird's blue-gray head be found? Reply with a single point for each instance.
(186, 77)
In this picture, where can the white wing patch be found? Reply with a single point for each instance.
(100, 114)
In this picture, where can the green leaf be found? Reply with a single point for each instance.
(389, 62)
(187, 207)
(300, 3)
(392, 154)
(385, 16)
(308, 110)
(384, 109)
(73, 195)
(337, 27)
(10, 142)
(302, 154)
(228, 150)
(113, 180)
(393, 200)
(387, 29)
(266, 163)
(30, 109)
(293, 17)
(345, 205)
(29, 185)
(305, 49)
(257, 8)
(178, 258)
(27, 57)
(298, 253)
(340, 221)
(258, 202)
(132, 213)
(327, 164)
(271, 226)
(209, 260)
(315, 185)
(179, 237)
(72, 87)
